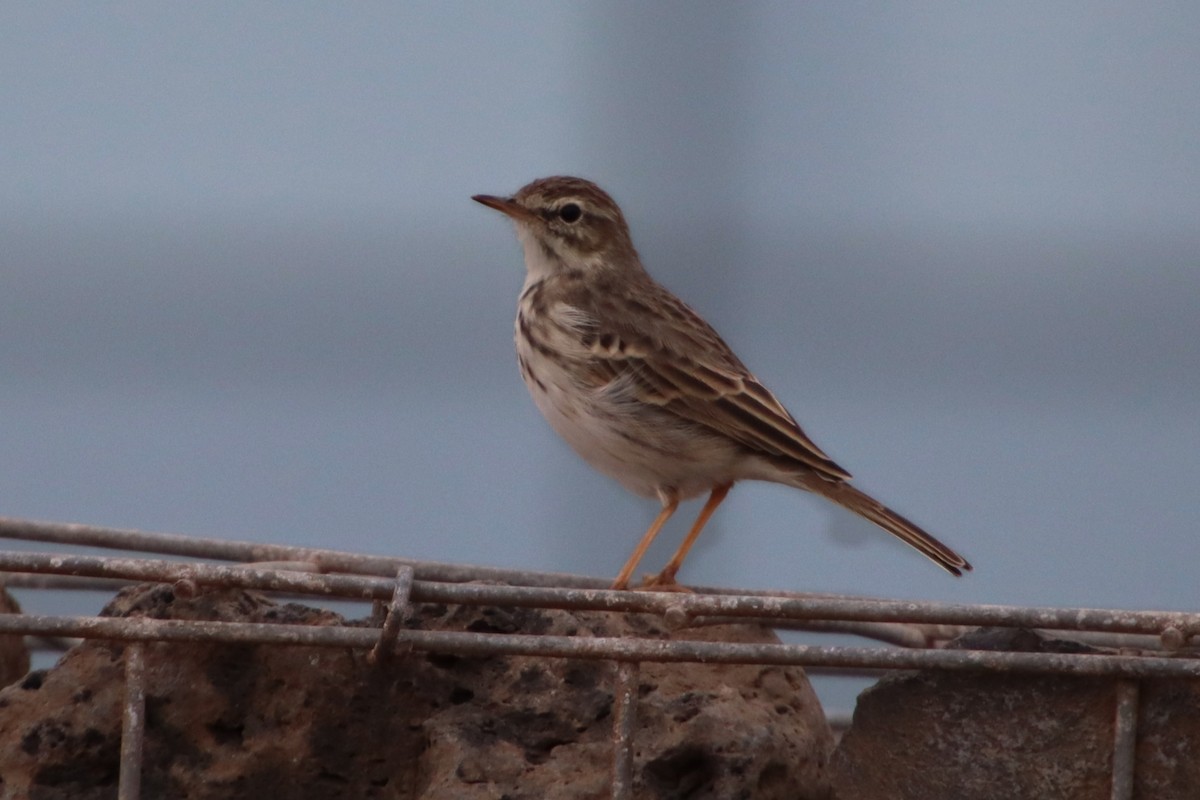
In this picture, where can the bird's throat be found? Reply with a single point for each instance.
(540, 259)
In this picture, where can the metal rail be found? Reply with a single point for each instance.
(1173, 625)
(136, 629)
(393, 584)
(1125, 739)
(133, 727)
(625, 694)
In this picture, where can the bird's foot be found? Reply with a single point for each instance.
(664, 582)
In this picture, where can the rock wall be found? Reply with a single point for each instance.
(249, 721)
(947, 736)
(256, 722)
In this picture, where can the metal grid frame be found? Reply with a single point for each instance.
(1150, 641)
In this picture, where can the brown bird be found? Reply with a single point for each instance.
(642, 387)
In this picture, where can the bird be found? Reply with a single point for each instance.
(645, 390)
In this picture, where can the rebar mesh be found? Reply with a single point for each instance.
(918, 628)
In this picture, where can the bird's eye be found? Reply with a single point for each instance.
(570, 213)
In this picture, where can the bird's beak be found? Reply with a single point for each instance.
(507, 206)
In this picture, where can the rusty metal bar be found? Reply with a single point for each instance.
(1125, 740)
(231, 550)
(385, 648)
(133, 726)
(606, 648)
(901, 634)
(249, 576)
(327, 560)
(812, 608)
(625, 697)
(1154, 623)
(748, 606)
(305, 572)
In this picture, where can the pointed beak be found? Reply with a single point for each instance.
(507, 206)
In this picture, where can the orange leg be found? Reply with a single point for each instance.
(666, 578)
(670, 503)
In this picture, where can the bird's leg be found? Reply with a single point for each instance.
(670, 502)
(666, 578)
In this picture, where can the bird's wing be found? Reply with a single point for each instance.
(673, 359)
(732, 404)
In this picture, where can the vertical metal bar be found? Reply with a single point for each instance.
(385, 648)
(625, 696)
(1125, 740)
(133, 727)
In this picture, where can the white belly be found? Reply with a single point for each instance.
(647, 450)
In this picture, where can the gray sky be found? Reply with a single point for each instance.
(244, 293)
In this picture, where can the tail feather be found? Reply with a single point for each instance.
(868, 507)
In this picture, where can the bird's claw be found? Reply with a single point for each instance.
(663, 583)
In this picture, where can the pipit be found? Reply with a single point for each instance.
(642, 387)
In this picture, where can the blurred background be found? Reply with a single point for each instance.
(244, 292)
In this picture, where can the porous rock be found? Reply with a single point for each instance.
(255, 721)
(950, 735)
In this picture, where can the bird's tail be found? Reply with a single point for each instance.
(866, 506)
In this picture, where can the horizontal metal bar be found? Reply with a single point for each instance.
(327, 560)
(608, 648)
(250, 576)
(241, 551)
(685, 605)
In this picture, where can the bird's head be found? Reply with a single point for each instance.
(567, 223)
